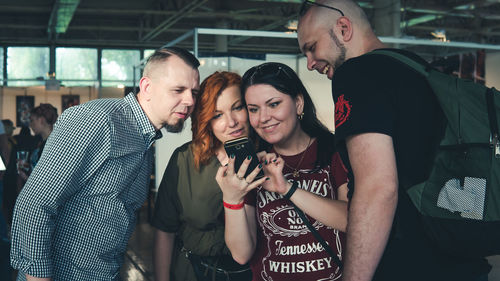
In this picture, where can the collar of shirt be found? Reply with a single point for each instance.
(148, 131)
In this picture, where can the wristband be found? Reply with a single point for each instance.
(234, 206)
(292, 190)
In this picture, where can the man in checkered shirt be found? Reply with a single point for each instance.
(75, 215)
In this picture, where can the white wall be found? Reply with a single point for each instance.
(165, 146)
(320, 89)
(492, 69)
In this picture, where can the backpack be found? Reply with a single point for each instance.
(459, 203)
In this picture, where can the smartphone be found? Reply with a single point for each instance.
(242, 148)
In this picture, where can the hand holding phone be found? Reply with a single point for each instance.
(241, 148)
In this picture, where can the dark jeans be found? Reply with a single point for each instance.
(222, 268)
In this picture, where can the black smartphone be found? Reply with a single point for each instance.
(242, 148)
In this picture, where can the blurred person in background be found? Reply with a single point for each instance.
(42, 120)
(10, 175)
(4, 241)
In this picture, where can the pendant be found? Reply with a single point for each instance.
(295, 174)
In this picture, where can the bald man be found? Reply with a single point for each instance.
(386, 120)
(75, 215)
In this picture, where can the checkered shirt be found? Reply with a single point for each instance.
(75, 214)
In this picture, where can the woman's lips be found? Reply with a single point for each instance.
(237, 133)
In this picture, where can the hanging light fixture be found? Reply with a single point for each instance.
(439, 35)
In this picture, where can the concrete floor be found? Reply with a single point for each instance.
(138, 261)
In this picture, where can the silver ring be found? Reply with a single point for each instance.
(240, 178)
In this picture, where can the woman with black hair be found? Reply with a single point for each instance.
(305, 176)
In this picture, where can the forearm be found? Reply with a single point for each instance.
(373, 203)
(162, 254)
(32, 278)
(330, 212)
(370, 222)
(240, 233)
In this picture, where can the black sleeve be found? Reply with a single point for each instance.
(363, 102)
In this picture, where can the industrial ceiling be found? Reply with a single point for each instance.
(153, 23)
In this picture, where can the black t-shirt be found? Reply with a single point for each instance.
(377, 94)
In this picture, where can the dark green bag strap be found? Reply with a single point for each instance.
(318, 237)
(492, 116)
(422, 69)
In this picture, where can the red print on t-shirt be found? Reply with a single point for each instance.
(342, 111)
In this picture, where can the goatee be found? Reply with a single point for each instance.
(175, 128)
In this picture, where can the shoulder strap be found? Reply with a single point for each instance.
(318, 237)
(420, 68)
(492, 116)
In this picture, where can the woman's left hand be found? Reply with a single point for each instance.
(273, 168)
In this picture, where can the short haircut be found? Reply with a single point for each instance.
(348, 8)
(164, 53)
(47, 111)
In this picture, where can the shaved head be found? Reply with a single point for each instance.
(326, 16)
(331, 32)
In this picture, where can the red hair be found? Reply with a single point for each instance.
(204, 141)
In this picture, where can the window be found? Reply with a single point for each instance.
(117, 67)
(73, 64)
(148, 52)
(209, 65)
(1, 65)
(26, 65)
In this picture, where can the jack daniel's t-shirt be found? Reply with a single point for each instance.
(286, 249)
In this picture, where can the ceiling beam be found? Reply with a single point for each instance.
(24, 9)
(92, 28)
(233, 15)
(204, 46)
(61, 15)
(173, 19)
(267, 27)
(460, 31)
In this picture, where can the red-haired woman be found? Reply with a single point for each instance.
(189, 215)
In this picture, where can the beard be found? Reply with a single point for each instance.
(176, 127)
(341, 58)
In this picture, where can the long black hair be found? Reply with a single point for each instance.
(284, 79)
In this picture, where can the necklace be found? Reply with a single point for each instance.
(296, 172)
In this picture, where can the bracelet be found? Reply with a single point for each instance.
(292, 190)
(234, 206)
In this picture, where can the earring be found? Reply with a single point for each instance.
(301, 116)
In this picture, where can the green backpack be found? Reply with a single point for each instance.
(460, 201)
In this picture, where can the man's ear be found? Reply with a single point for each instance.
(344, 25)
(145, 87)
